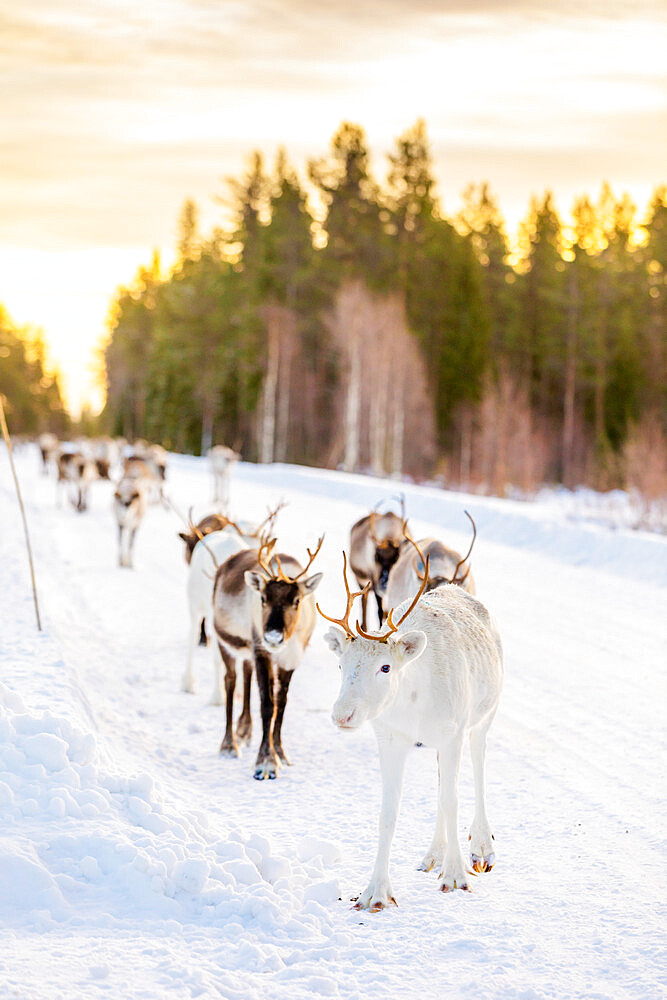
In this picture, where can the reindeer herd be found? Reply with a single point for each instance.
(429, 675)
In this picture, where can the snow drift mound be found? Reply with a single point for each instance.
(80, 834)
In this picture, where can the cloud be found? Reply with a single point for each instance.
(113, 113)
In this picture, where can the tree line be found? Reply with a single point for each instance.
(344, 322)
(32, 393)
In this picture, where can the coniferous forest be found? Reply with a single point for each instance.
(32, 393)
(342, 322)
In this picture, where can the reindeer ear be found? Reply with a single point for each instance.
(254, 580)
(409, 645)
(312, 583)
(181, 534)
(335, 640)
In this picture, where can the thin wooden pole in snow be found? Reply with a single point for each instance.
(8, 440)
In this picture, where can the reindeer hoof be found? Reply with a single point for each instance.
(229, 750)
(456, 881)
(265, 772)
(480, 865)
(432, 860)
(377, 906)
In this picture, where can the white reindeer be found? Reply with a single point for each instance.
(222, 460)
(445, 566)
(130, 502)
(48, 445)
(432, 682)
(209, 553)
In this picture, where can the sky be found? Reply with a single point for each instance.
(114, 113)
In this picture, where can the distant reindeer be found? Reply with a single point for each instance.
(130, 503)
(445, 566)
(48, 445)
(433, 681)
(151, 459)
(263, 610)
(104, 452)
(376, 541)
(222, 460)
(156, 458)
(75, 474)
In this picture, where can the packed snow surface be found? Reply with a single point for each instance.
(135, 862)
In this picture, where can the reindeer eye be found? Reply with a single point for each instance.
(385, 668)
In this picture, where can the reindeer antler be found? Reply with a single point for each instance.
(311, 559)
(409, 538)
(266, 547)
(401, 499)
(461, 561)
(266, 526)
(344, 622)
(281, 574)
(202, 538)
(394, 627)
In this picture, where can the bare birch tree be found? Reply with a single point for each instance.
(383, 384)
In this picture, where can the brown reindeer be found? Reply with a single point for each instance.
(263, 611)
(207, 525)
(376, 542)
(219, 522)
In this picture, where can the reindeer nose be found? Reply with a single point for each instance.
(273, 638)
(342, 720)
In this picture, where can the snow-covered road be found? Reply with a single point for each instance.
(137, 863)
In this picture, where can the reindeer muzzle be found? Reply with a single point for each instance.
(273, 638)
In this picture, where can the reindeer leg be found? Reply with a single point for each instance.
(188, 679)
(393, 755)
(482, 851)
(436, 852)
(244, 721)
(203, 638)
(267, 763)
(380, 609)
(216, 694)
(130, 548)
(284, 678)
(229, 746)
(455, 872)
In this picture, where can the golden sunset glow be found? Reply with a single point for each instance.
(115, 113)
